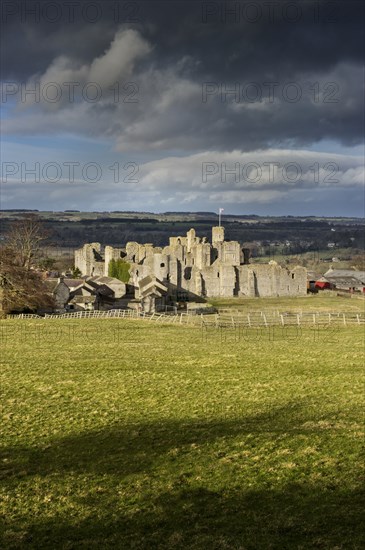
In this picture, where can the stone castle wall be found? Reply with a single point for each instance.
(89, 260)
(193, 265)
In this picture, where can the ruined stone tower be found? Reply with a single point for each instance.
(217, 235)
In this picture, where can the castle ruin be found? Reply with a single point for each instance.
(190, 266)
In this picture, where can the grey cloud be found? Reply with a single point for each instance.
(172, 111)
(178, 50)
(271, 45)
(168, 53)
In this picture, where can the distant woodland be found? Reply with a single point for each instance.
(290, 234)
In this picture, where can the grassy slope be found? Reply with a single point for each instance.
(130, 435)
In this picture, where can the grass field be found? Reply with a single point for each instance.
(126, 434)
(323, 301)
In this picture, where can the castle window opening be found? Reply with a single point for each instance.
(292, 275)
(187, 273)
(162, 265)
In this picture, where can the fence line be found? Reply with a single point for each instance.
(180, 318)
(249, 319)
(262, 319)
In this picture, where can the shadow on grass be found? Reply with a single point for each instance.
(175, 511)
(197, 518)
(129, 448)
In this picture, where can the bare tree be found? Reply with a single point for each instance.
(20, 287)
(24, 238)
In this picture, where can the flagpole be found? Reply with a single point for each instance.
(219, 217)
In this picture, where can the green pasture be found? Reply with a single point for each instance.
(136, 435)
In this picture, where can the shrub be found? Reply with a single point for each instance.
(119, 269)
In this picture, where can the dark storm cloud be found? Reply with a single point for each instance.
(183, 48)
(230, 39)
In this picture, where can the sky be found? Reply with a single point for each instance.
(256, 107)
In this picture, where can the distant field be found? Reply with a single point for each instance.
(312, 302)
(128, 434)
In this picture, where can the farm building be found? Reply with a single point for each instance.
(312, 279)
(349, 280)
(89, 293)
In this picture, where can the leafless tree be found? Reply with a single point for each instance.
(25, 238)
(20, 287)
